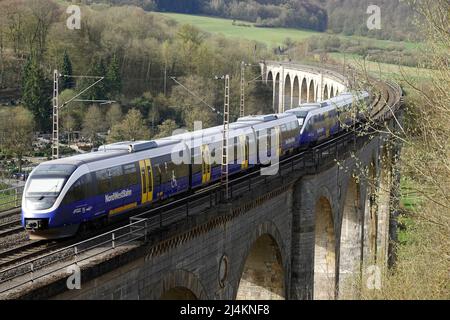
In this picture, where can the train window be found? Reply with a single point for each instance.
(79, 190)
(130, 175)
(158, 174)
(103, 181)
(117, 181)
(167, 170)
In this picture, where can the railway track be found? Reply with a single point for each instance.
(10, 222)
(26, 251)
(10, 227)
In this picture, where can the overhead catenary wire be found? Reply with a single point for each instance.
(196, 96)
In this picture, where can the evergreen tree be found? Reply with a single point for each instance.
(66, 69)
(35, 95)
(100, 89)
(97, 92)
(26, 71)
(113, 78)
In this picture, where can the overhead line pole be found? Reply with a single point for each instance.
(242, 106)
(226, 129)
(55, 117)
(56, 106)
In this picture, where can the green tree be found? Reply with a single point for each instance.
(166, 128)
(195, 104)
(93, 124)
(114, 115)
(35, 96)
(26, 71)
(16, 131)
(71, 116)
(97, 92)
(113, 77)
(132, 128)
(66, 70)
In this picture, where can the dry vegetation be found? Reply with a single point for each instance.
(422, 270)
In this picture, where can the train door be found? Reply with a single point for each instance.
(278, 140)
(146, 173)
(149, 171)
(245, 150)
(206, 164)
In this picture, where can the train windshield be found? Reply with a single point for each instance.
(301, 116)
(45, 184)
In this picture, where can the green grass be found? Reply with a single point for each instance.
(410, 201)
(387, 71)
(270, 36)
(7, 201)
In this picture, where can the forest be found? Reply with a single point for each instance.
(338, 16)
(143, 57)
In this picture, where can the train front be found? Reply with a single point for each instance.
(41, 202)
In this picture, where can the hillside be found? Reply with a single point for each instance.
(338, 16)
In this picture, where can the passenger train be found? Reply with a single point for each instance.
(61, 195)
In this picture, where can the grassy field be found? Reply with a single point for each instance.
(387, 71)
(270, 36)
(8, 201)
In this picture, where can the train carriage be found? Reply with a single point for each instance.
(60, 195)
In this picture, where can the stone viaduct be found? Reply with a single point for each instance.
(310, 232)
(294, 84)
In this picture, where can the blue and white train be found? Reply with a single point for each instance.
(61, 195)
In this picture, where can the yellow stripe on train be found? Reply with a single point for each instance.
(123, 208)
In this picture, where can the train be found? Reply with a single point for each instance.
(94, 188)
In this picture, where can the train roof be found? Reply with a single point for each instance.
(187, 136)
(259, 118)
(80, 159)
(305, 107)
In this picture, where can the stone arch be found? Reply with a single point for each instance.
(324, 252)
(383, 206)
(325, 93)
(296, 93)
(271, 83)
(311, 93)
(276, 95)
(337, 93)
(269, 78)
(178, 284)
(350, 240)
(370, 216)
(332, 92)
(304, 91)
(287, 91)
(263, 271)
(179, 293)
